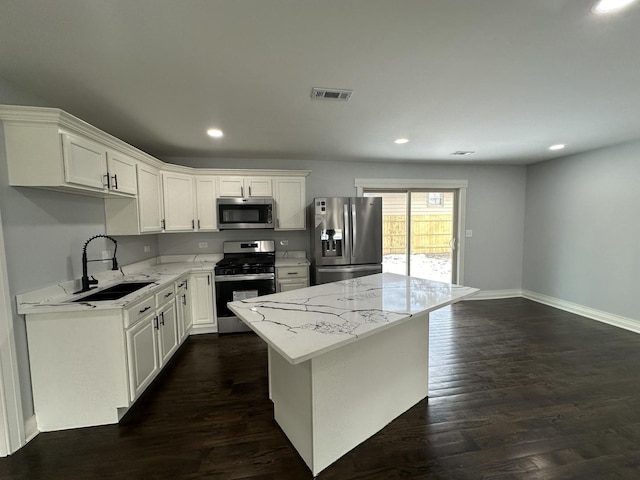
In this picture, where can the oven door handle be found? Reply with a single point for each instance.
(240, 278)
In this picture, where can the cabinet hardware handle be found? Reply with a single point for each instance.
(155, 323)
(161, 318)
(115, 181)
(108, 185)
(186, 284)
(184, 299)
(193, 224)
(163, 224)
(145, 309)
(208, 279)
(168, 294)
(182, 285)
(198, 224)
(249, 190)
(242, 191)
(292, 273)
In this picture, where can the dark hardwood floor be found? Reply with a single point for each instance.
(517, 390)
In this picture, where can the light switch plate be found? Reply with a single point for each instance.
(469, 233)
(203, 245)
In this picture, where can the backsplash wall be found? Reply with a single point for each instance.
(189, 243)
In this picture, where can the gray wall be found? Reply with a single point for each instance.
(495, 209)
(582, 229)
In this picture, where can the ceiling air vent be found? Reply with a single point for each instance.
(331, 94)
(462, 153)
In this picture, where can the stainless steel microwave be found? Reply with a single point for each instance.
(242, 213)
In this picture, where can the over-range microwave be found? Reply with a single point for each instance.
(241, 213)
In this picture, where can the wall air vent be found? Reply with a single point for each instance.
(462, 153)
(330, 94)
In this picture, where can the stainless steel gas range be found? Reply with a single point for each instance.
(247, 270)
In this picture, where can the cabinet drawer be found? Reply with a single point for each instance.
(139, 311)
(292, 272)
(181, 284)
(165, 295)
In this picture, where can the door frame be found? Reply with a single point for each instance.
(363, 184)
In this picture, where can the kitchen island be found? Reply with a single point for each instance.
(346, 358)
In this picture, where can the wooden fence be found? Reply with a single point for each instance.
(429, 234)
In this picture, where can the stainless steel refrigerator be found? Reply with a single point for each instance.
(346, 238)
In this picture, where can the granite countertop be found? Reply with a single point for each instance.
(292, 258)
(301, 324)
(292, 262)
(161, 271)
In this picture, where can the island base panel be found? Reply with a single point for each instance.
(331, 403)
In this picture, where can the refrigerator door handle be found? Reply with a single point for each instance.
(354, 233)
(346, 235)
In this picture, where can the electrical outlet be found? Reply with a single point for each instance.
(284, 242)
(469, 233)
(203, 245)
(147, 248)
(106, 256)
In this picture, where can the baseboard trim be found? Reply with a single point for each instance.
(495, 294)
(200, 329)
(30, 428)
(588, 312)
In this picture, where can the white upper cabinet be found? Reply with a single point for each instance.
(178, 196)
(149, 199)
(244, 187)
(290, 200)
(51, 149)
(85, 162)
(122, 173)
(206, 213)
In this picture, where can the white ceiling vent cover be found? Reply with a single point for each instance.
(331, 94)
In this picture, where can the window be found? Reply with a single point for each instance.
(419, 238)
(435, 199)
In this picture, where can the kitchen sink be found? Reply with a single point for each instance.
(114, 292)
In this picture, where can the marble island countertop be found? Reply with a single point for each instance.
(161, 271)
(301, 324)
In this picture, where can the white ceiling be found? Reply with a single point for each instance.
(504, 78)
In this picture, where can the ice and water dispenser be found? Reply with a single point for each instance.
(330, 230)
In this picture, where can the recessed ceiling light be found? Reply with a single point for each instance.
(214, 132)
(400, 141)
(558, 146)
(608, 6)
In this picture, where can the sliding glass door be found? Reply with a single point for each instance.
(419, 231)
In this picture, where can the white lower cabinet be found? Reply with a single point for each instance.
(291, 278)
(142, 348)
(167, 332)
(152, 341)
(201, 288)
(183, 309)
(89, 367)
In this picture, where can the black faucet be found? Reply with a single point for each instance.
(86, 282)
